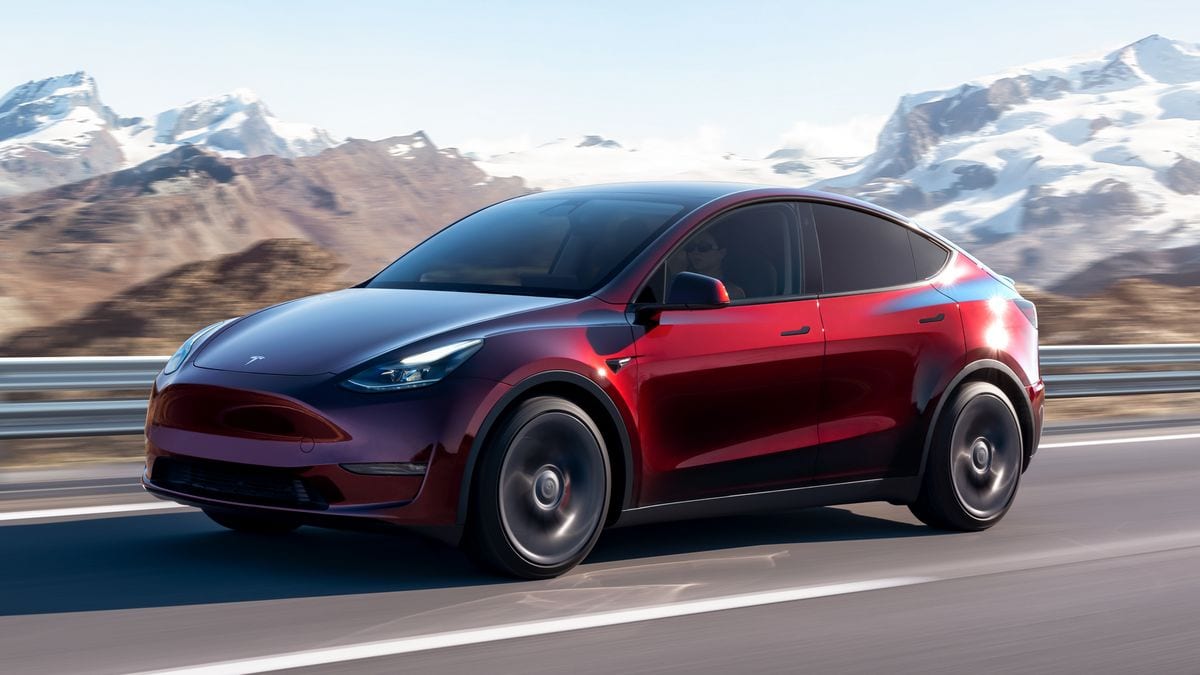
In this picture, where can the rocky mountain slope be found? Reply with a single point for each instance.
(1067, 175)
(155, 316)
(364, 201)
(1179, 267)
(57, 130)
(1131, 311)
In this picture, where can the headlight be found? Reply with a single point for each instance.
(181, 354)
(418, 370)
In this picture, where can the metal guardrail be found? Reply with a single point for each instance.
(61, 419)
(108, 373)
(1100, 357)
(1116, 384)
(102, 417)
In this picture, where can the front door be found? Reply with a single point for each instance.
(729, 398)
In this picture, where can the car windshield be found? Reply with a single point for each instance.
(565, 246)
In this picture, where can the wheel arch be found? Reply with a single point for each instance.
(581, 391)
(1003, 377)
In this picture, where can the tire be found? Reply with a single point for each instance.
(541, 491)
(974, 463)
(252, 524)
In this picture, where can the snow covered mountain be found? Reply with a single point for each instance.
(1046, 170)
(596, 159)
(237, 124)
(57, 131)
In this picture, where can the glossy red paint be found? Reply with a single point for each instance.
(996, 330)
(729, 399)
(885, 353)
(693, 404)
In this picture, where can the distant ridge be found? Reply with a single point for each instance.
(366, 202)
(57, 130)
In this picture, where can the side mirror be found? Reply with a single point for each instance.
(696, 291)
(688, 291)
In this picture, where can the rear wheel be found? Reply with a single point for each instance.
(974, 462)
(542, 491)
(253, 524)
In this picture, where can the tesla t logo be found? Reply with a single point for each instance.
(254, 358)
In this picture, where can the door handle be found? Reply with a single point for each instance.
(802, 331)
(933, 319)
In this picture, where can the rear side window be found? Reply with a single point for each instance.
(928, 256)
(860, 252)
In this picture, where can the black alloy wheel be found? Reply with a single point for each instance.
(541, 492)
(974, 463)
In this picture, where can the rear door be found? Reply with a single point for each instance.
(890, 338)
(729, 398)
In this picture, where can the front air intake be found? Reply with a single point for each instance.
(238, 483)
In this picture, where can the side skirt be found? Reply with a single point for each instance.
(896, 490)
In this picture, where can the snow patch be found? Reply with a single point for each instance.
(1183, 104)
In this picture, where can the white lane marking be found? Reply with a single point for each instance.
(420, 643)
(71, 487)
(89, 511)
(1118, 441)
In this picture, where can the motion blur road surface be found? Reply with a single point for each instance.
(1096, 569)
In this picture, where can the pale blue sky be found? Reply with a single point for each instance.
(494, 70)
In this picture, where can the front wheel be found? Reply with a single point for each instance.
(974, 462)
(542, 491)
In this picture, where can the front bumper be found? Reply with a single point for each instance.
(270, 443)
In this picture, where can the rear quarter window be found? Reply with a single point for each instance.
(928, 256)
(860, 252)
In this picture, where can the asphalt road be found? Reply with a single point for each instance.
(1096, 569)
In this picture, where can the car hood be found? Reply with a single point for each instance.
(336, 331)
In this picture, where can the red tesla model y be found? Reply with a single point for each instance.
(579, 359)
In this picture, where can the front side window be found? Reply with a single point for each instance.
(861, 252)
(539, 245)
(751, 250)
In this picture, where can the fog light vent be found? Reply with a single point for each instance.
(387, 468)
